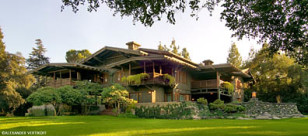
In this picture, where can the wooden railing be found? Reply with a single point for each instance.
(208, 84)
(60, 82)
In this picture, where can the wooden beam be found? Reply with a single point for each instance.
(218, 89)
(99, 60)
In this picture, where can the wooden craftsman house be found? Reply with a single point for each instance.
(112, 65)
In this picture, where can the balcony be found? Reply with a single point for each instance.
(151, 79)
(205, 84)
(60, 82)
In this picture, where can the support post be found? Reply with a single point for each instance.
(153, 70)
(60, 78)
(144, 69)
(129, 69)
(218, 88)
(70, 75)
(160, 70)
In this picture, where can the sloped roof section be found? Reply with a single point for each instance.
(104, 52)
(58, 66)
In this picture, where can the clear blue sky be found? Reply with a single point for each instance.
(24, 21)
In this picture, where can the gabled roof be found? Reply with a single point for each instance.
(57, 66)
(112, 49)
(170, 54)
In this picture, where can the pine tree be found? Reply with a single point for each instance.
(37, 57)
(234, 57)
(13, 75)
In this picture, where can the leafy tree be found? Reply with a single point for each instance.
(13, 75)
(174, 49)
(75, 56)
(283, 22)
(46, 95)
(116, 95)
(37, 57)
(276, 76)
(234, 56)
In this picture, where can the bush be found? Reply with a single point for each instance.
(217, 105)
(202, 101)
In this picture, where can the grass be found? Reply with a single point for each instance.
(114, 126)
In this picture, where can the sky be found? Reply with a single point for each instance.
(24, 21)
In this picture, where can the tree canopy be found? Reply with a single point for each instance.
(283, 23)
(75, 56)
(13, 75)
(234, 56)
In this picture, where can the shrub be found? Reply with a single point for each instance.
(217, 105)
(202, 101)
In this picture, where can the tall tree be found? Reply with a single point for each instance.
(13, 75)
(37, 57)
(283, 23)
(234, 56)
(75, 56)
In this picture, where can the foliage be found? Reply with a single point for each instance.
(135, 79)
(75, 56)
(146, 12)
(37, 57)
(175, 49)
(116, 95)
(278, 75)
(170, 79)
(202, 101)
(70, 96)
(217, 105)
(283, 23)
(13, 75)
(44, 110)
(89, 88)
(46, 95)
(234, 56)
(228, 86)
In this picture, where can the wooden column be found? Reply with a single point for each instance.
(129, 69)
(144, 69)
(218, 89)
(60, 78)
(78, 76)
(160, 70)
(153, 70)
(70, 72)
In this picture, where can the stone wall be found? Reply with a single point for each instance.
(265, 110)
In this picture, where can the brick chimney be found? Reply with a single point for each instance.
(208, 62)
(133, 45)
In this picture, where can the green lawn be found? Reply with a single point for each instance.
(107, 125)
